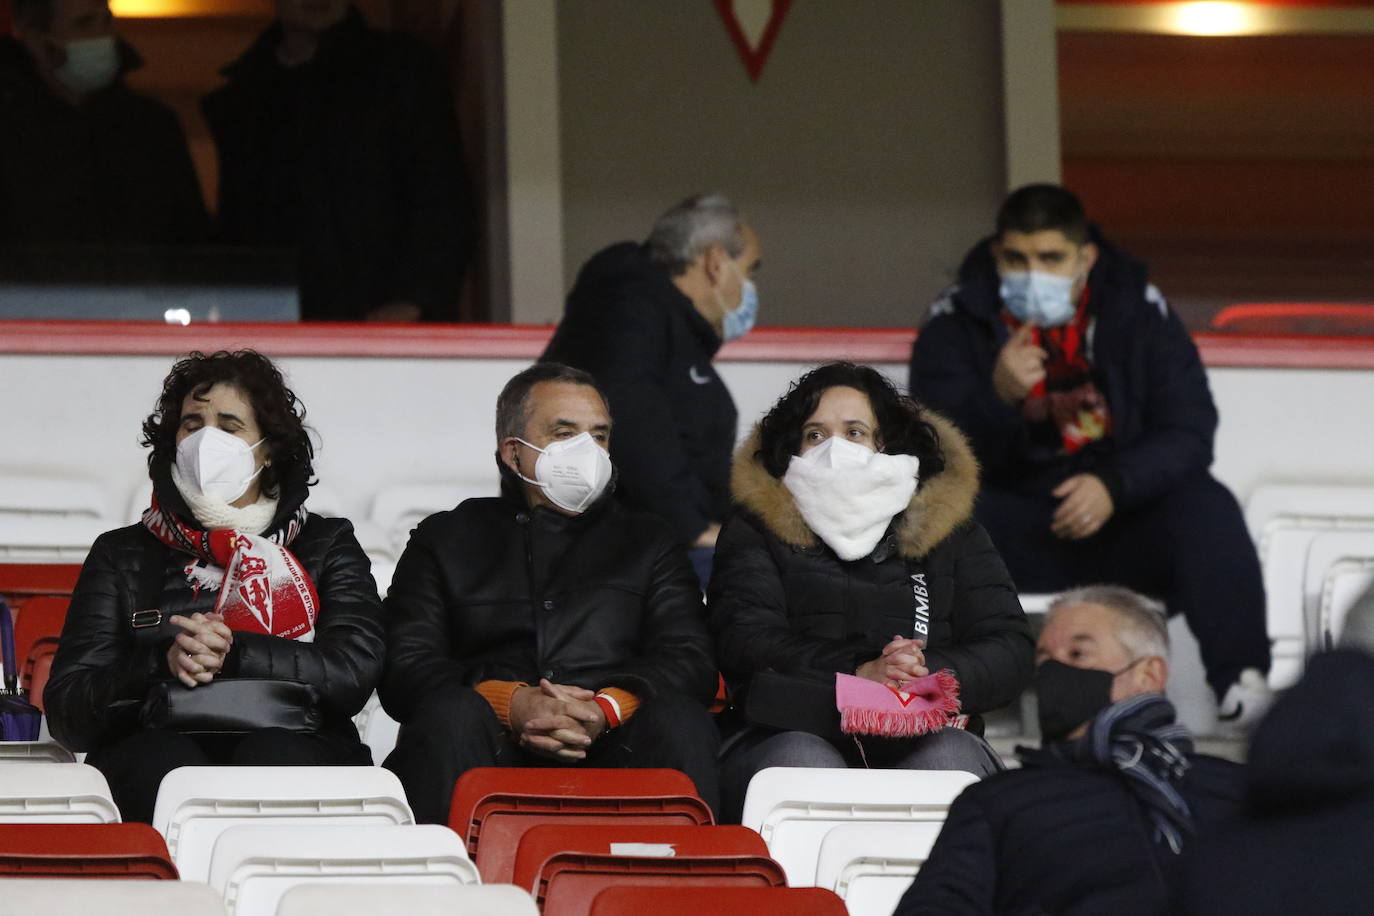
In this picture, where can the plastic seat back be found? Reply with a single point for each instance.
(1347, 581)
(793, 808)
(196, 804)
(40, 621)
(419, 900)
(84, 851)
(109, 897)
(253, 865)
(1295, 500)
(493, 806)
(1289, 318)
(1325, 551)
(34, 752)
(698, 900)
(872, 865)
(564, 866)
(54, 793)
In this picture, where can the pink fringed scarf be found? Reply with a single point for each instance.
(869, 708)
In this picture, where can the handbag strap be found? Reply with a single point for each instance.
(7, 654)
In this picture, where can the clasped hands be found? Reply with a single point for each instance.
(556, 720)
(901, 660)
(197, 654)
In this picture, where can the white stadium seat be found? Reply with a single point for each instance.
(54, 793)
(1325, 551)
(34, 752)
(106, 897)
(1269, 500)
(397, 509)
(196, 804)
(418, 899)
(1346, 582)
(872, 865)
(252, 866)
(793, 808)
(1284, 548)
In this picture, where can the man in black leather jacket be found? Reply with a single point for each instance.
(550, 625)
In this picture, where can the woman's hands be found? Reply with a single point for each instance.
(902, 660)
(197, 654)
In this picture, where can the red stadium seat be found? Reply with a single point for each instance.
(1285, 318)
(565, 866)
(21, 581)
(33, 676)
(718, 901)
(83, 851)
(36, 632)
(493, 806)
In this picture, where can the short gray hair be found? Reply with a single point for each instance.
(513, 403)
(689, 229)
(1142, 627)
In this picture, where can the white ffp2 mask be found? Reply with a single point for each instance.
(220, 465)
(572, 472)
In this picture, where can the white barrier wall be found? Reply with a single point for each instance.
(384, 421)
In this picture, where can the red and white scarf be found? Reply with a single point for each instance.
(262, 587)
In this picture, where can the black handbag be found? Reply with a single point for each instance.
(20, 720)
(232, 706)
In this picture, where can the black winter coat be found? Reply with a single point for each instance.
(493, 590)
(354, 159)
(1144, 362)
(650, 350)
(1062, 840)
(101, 673)
(1306, 838)
(113, 170)
(781, 600)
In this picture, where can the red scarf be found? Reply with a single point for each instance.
(1067, 395)
(262, 586)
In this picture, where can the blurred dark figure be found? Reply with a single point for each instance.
(84, 160)
(1309, 814)
(340, 141)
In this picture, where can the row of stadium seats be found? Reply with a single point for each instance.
(252, 833)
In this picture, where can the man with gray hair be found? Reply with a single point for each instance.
(1095, 820)
(646, 320)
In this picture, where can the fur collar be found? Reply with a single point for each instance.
(940, 504)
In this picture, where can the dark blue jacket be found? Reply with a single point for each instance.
(1144, 362)
(1063, 840)
(1306, 839)
(650, 350)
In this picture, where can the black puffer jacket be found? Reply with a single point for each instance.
(1144, 362)
(1063, 840)
(102, 674)
(782, 600)
(650, 350)
(493, 590)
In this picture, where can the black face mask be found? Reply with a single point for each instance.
(1068, 696)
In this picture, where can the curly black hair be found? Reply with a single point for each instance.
(901, 430)
(279, 413)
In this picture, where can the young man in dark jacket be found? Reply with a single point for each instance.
(340, 142)
(1096, 820)
(548, 626)
(1089, 410)
(646, 321)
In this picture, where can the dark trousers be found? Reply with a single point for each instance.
(457, 730)
(134, 766)
(1188, 548)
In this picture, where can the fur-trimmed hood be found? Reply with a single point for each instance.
(940, 504)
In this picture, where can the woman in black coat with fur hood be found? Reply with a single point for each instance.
(852, 550)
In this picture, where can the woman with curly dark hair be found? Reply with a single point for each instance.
(862, 617)
(230, 625)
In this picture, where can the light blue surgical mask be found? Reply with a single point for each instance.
(1045, 300)
(740, 321)
(92, 64)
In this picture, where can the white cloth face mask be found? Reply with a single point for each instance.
(218, 464)
(572, 472)
(848, 494)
